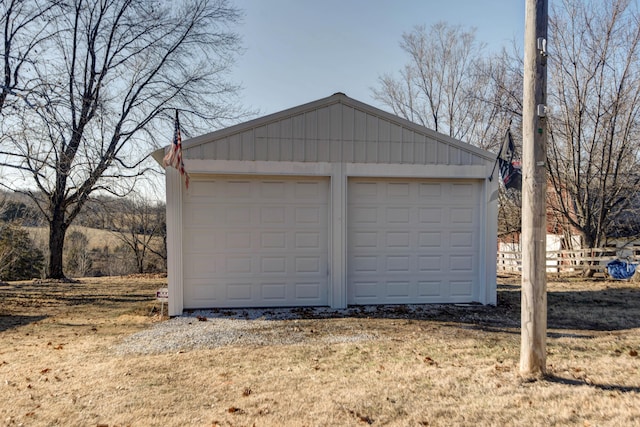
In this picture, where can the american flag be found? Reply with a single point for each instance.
(510, 171)
(173, 157)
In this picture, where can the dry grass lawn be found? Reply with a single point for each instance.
(448, 366)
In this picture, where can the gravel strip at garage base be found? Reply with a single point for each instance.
(206, 329)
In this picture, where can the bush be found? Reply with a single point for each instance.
(19, 258)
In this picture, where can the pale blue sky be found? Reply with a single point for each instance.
(297, 51)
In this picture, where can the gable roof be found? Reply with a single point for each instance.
(333, 129)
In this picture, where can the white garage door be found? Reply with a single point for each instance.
(412, 241)
(255, 242)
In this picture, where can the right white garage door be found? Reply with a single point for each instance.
(412, 241)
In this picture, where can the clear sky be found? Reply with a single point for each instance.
(297, 51)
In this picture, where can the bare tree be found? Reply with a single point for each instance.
(594, 88)
(106, 87)
(23, 32)
(509, 214)
(449, 86)
(78, 257)
(141, 227)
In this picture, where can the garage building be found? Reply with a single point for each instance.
(330, 203)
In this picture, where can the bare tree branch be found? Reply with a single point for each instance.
(595, 88)
(104, 91)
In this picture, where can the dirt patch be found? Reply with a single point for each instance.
(411, 365)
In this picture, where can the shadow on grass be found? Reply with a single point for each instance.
(569, 312)
(9, 322)
(607, 387)
(611, 309)
(572, 307)
(69, 294)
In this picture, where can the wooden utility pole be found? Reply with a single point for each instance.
(533, 349)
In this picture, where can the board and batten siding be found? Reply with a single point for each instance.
(334, 133)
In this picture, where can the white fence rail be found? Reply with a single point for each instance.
(572, 261)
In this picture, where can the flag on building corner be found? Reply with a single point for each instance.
(510, 171)
(173, 157)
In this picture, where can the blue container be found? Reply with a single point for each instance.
(621, 270)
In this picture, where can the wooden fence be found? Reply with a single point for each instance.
(572, 261)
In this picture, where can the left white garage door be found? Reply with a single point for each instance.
(255, 242)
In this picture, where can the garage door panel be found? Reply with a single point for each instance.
(308, 215)
(365, 239)
(273, 265)
(256, 242)
(273, 240)
(272, 215)
(238, 264)
(364, 291)
(201, 241)
(309, 190)
(366, 215)
(430, 215)
(427, 190)
(203, 291)
(462, 190)
(412, 241)
(363, 190)
(429, 289)
(397, 239)
(307, 240)
(272, 190)
(398, 216)
(429, 240)
(200, 266)
(461, 288)
(208, 293)
(398, 289)
(239, 293)
(399, 264)
(233, 190)
(461, 216)
(275, 292)
(237, 240)
(307, 265)
(397, 189)
(430, 263)
(309, 291)
(365, 264)
(462, 239)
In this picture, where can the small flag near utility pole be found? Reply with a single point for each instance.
(173, 157)
(510, 171)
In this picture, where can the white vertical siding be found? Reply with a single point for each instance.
(335, 133)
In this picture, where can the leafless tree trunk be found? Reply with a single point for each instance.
(106, 90)
(594, 79)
